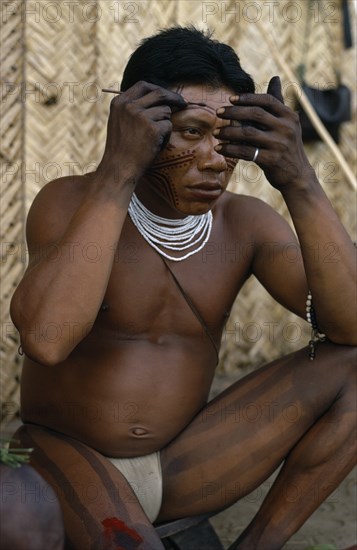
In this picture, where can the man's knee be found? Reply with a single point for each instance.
(344, 360)
(345, 356)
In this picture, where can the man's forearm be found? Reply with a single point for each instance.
(329, 258)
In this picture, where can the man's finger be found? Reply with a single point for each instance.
(274, 88)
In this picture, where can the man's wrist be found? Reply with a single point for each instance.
(112, 187)
(305, 185)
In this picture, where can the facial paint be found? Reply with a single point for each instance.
(231, 163)
(170, 167)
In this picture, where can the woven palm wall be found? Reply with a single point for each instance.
(55, 58)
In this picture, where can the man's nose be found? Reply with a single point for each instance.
(209, 158)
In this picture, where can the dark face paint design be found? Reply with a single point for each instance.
(231, 164)
(169, 168)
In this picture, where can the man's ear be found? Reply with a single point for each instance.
(274, 88)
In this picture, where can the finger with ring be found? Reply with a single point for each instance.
(256, 154)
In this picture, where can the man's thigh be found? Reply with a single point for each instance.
(98, 505)
(243, 435)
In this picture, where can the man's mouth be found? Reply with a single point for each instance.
(206, 190)
(207, 185)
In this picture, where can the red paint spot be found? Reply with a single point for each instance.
(116, 531)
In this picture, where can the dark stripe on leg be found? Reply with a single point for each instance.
(96, 464)
(72, 500)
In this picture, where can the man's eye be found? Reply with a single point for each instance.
(191, 132)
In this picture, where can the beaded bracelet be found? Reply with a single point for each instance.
(316, 335)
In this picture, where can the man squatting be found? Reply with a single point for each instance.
(142, 336)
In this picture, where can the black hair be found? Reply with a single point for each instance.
(185, 55)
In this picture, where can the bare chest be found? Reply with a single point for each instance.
(143, 297)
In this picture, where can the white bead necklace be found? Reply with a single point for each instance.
(163, 233)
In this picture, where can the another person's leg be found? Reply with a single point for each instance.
(100, 510)
(30, 514)
(294, 409)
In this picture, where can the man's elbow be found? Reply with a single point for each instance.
(39, 347)
(47, 354)
(46, 342)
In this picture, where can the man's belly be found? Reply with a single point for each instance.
(130, 400)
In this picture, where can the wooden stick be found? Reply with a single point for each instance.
(308, 108)
(111, 91)
(188, 102)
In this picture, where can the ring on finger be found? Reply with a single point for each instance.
(255, 155)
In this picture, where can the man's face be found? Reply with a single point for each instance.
(189, 174)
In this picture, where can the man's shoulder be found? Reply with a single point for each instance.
(249, 218)
(65, 188)
(54, 206)
(245, 206)
(60, 197)
(238, 198)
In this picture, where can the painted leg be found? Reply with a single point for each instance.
(292, 411)
(313, 470)
(100, 510)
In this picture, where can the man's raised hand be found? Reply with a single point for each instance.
(266, 130)
(139, 126)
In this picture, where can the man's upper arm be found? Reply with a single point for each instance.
(277, 261)
(49, 217)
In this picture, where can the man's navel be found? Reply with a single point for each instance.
(138, 431)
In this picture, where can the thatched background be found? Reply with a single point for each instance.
(55, 58)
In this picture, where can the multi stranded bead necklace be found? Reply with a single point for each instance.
(165, 234)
